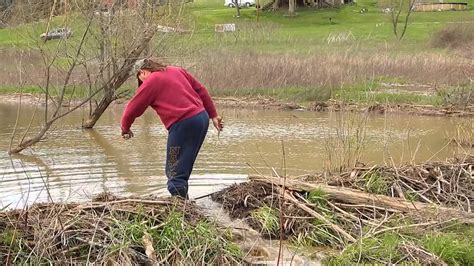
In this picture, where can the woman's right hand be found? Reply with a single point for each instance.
(127, 135)
(218, 123)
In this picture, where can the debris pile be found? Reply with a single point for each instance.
(374, 215)
(114, 230)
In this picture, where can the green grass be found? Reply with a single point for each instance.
(71, 92)
(9, 238)
(20, 89)
(309, 28)
(458, 95)
(54, 91)
(371, 93)
(320, 233)
(28, 35)
(451, 248)
(318, 197)
(382, 249)
(312, 27)
(376, 183)
(354, 94)
(268, 219)
(461, 96)
(202, 242)
(454, 245)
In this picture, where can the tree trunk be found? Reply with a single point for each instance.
(27, 143)
(276, 4)
(106, 100)
(410, 9)
(291, 8)
(117, 80)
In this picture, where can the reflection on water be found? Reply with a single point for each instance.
(73, 163)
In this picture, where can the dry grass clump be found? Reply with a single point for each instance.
(230, 72)
(114, 230)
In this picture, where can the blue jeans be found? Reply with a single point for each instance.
(184, 141)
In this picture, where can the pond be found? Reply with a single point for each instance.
(74, 164)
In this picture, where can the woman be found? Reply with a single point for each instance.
(184, 106)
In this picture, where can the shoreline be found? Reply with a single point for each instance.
(267, 103)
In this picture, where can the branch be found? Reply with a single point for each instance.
(410, 10)
(72, 67)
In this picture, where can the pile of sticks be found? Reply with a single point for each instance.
(444, 183)
(440, 195)
(97, 231)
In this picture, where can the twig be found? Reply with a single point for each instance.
(367, 206)
(405, 226)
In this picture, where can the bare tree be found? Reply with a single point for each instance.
(90, 68)
(276, 4)
(398, 9)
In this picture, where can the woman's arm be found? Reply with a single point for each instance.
(137, 106)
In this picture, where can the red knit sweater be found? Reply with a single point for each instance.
(173, 93)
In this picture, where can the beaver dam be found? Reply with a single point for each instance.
(410, 214)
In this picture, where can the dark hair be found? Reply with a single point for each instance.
(152, 65)
(138, 79)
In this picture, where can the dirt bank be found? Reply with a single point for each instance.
(270, 103)
(339, 106)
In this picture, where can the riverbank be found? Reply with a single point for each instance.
(380, 214)
(276, 104)
(341, 106)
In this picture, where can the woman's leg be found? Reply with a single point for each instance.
(184, 142)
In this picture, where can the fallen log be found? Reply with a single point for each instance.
(359, 197)
(313, 213)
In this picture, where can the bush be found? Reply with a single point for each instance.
(461, 96)
(454, 36)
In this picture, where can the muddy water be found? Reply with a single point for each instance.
(72, 163)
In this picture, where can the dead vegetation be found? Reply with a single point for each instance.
(322, 72)
(114, 230)
(463, 134)
(373, 215)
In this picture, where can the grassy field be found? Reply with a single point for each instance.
(302, 58)
(311, 27)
